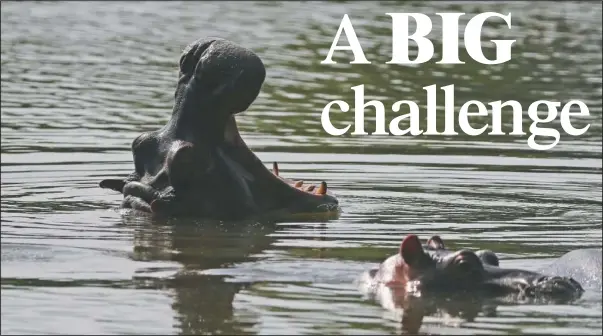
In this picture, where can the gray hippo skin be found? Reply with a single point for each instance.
(583, 265)
(432, 270)
(198, 164)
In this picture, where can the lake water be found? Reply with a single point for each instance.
(80, 80)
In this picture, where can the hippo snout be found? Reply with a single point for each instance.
(220, 76)
(554, 286)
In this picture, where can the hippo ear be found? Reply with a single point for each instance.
(411, 250)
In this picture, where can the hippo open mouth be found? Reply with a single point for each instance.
(198, 164)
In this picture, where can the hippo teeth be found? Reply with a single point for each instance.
(322, 189)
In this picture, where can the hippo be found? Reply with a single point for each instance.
(584, 265)
(198, 164)
(432, 270)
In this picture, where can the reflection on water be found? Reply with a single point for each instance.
(80, 80)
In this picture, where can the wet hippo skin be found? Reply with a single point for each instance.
(584, 265)
(198, 164)
(426, 269)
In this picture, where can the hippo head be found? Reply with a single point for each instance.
(431, 268)
(198, 164)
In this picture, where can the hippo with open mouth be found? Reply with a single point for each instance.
(198, 164)
(431, 270)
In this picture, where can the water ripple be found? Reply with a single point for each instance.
(80, 80)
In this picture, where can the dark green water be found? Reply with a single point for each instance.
(81, 79)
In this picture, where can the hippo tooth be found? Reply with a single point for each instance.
(322, 189)
(310, 188)
(298, 184)
(275, 168)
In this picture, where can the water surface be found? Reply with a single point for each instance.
(80, 80)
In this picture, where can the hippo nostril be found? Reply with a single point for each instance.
(193, 53)
(551, 281)
(541, 279)
(557, 285)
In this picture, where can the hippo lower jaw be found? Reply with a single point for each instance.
(268, 191)
(241, 185)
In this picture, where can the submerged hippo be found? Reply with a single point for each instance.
(584, 265)
(432, 270)
(198, 164)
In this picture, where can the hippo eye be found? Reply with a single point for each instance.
(467, 262)
(488, 257)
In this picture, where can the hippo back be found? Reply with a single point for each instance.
(584, 265)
